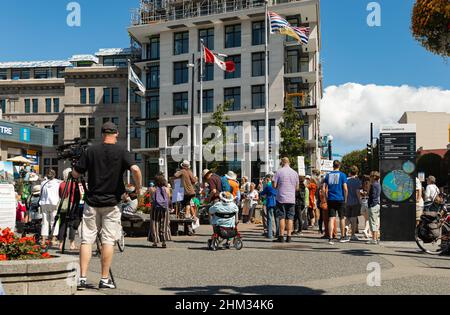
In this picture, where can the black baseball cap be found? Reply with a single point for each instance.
(109, 128)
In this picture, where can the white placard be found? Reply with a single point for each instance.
(178, 191)
(7, 206)
(326, 165)
(398, 128)
(421, 176)
(161, 162)
(301, 165)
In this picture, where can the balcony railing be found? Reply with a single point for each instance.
(155, 12)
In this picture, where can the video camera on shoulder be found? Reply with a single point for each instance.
(73, 151)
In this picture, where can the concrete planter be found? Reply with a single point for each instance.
(56, 276)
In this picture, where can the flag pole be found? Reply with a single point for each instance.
(200, 143)
(266, 94)
(128, 116)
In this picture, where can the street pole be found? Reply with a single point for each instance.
(371, 147)
(266, 94)
(330, 152)
(200, 143)
(194, 167)
(128, 117)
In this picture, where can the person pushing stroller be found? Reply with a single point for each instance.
(223, 219)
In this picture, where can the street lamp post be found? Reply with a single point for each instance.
(330, 149)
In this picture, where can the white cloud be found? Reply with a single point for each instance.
(347, 110)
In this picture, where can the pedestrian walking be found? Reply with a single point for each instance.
(313, 212)
(431, 191)
(270, 195)
(49, 203)
(187, 182)
(353, 208)
(336, 192)
(159, 215)
(374, 207)
(300, 205)
(106, 164)
(286, 182)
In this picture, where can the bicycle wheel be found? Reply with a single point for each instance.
(121, 242)
(434, 248)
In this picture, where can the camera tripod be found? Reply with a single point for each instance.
(72, 187)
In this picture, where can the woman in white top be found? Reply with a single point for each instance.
(253, 197)
(49, 203)
(432, 191)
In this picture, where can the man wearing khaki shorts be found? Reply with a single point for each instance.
(105, 164)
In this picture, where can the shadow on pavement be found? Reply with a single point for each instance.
(256, 289)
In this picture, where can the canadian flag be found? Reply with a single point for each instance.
(227, 66)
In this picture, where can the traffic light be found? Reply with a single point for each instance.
(369, 149)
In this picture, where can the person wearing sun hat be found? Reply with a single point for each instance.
(187, 181)
(214, 183)
(234, 184)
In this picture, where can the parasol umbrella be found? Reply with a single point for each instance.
(19, 160)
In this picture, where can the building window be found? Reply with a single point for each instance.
(233, 36)
(208, 101)
(296, 61)
(258, 33)
(87, 128)
(35, 105)
(208, 72)
(42, 73)
(180, 43)
(232, 96)
(115, 120)
(237, 73)
(20, 74)
(115, 95)
(56, 105)
(180, 72)
(83, 98)
(55, 134)
(258, 129)
(172, 140)
(234, 131)
(258, 64)
(298, 93)
(3, 106)
(48, 105)
(153, 48)
(91, 96)
(208, 38)
(258, 96)
(294, 21)
(180, 103)
(117, 61)
(3, 74)
(153, 77)
(106, 96)
(27, 106)
(152, 138)
(60, 73)
(153, 107)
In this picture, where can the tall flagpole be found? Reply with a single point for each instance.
(266, 133)
(128, 117)
(200, 143)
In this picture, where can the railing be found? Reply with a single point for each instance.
(179, 10)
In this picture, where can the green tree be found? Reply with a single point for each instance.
(430, 25)
(218, 119)
(355, 158)
(292, 142)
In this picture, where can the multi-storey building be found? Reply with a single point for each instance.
(170, 33)
(73, 97)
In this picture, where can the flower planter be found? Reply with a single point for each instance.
(55, 276)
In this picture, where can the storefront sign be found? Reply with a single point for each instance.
(7, 206)
(6, 130)
(25, 134)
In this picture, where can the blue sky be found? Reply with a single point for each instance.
(351, 50)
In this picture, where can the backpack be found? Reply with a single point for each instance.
(429, 228)
(225, 184)
(33, 204)
(161, 198)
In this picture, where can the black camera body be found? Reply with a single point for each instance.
(73, 151)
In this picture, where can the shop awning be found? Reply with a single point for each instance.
(19, 159)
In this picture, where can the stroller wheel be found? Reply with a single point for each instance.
(238, 243)
(214, 244)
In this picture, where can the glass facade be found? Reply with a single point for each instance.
(152, 107)
(208, 38)
(106, 96)
(56, 105)
(258, 34)
(153, 48)
(116, 61)
(208, 101)
(83, 96)
(258, 129)
(258, 64)
(153, 77)
(180, 103)
(91, 96)
(35, 105)
(237, 73)
(48, 105)
(115, 95)
(258, 96)
(233, 36)
(180, 72)
(180, 43)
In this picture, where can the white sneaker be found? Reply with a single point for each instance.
(330, 241)
(372, 242)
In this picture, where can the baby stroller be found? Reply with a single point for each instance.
(34, 222)
(223, 218)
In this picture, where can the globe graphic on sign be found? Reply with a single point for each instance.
(409, 167)
(398, 186)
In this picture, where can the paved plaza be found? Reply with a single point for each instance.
(308, 265)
